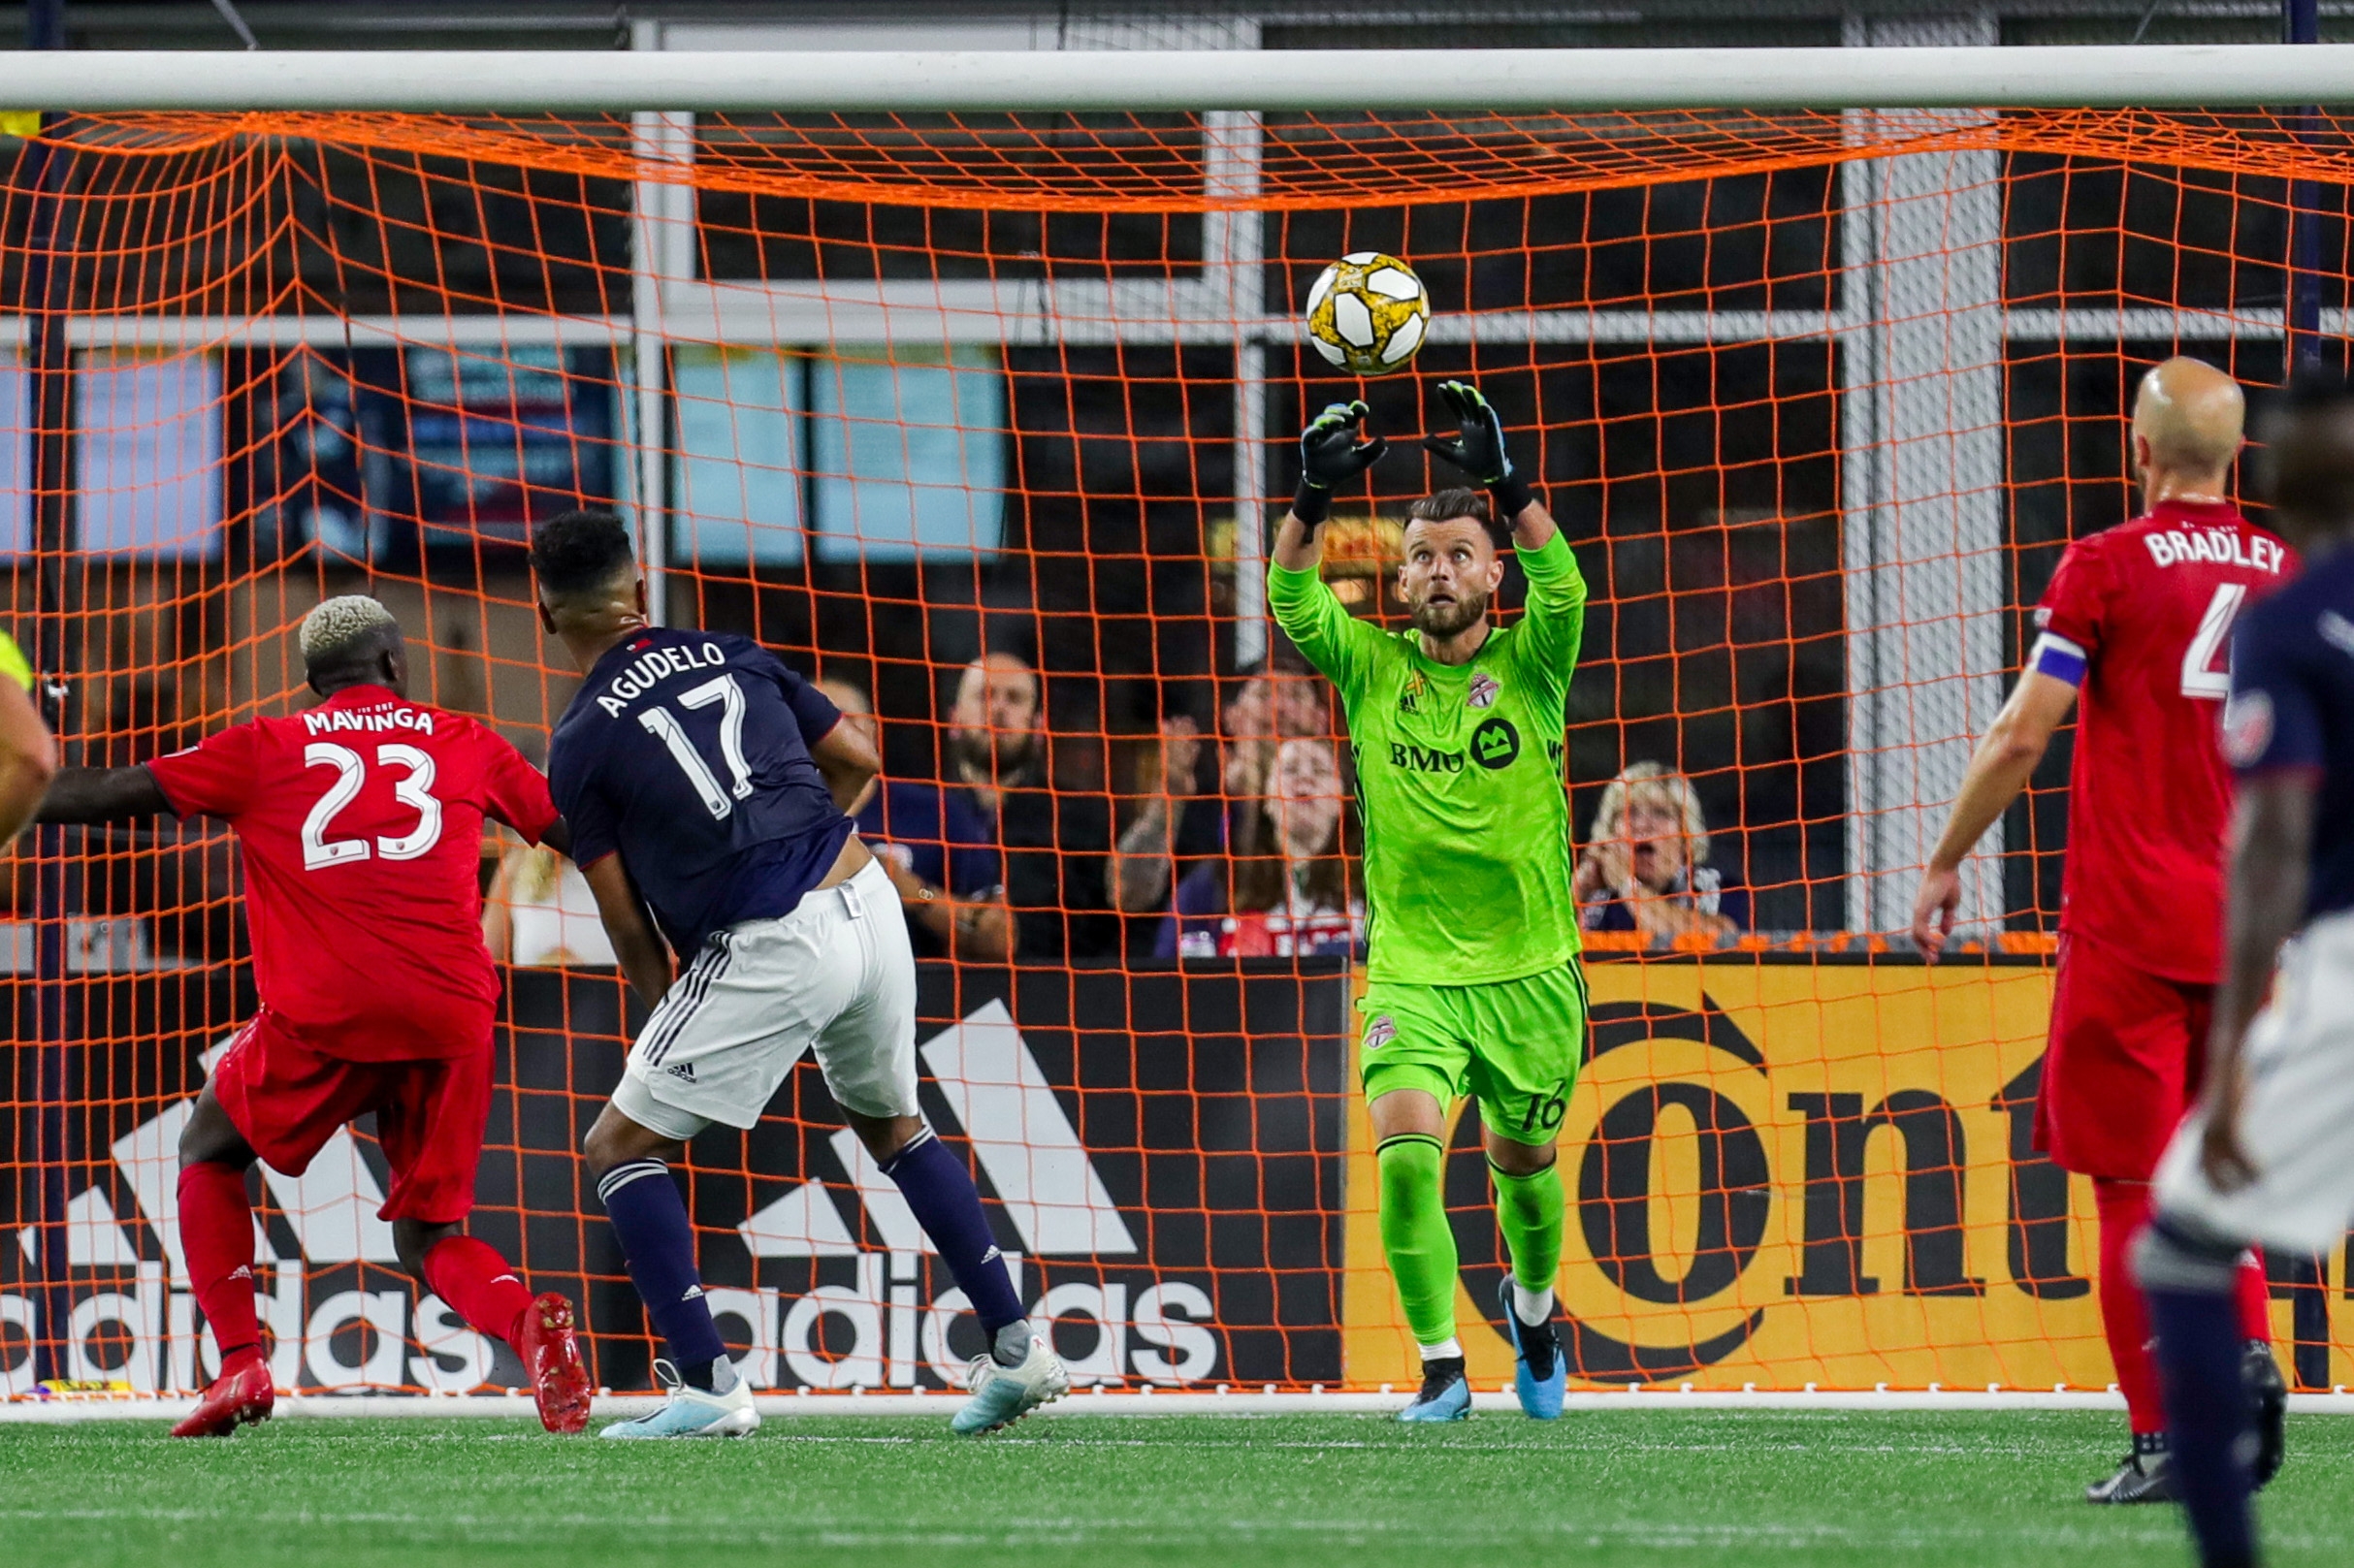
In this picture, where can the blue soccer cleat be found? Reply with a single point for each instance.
(691, 1412)
(1446, 1392)
(1003, 1394)
(1540, 1372)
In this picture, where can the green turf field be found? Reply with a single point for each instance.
(1649, 1487)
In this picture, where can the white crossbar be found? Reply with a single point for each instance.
(1145, 81)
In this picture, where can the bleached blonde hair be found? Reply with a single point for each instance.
(338, 625)
(1660, 782)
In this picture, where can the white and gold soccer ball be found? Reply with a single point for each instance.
(1368, 314)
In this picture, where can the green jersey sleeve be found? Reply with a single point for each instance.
(1553, 626)
(12, 662)
(1320, 626)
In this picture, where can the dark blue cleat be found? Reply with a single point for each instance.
(1540, 1373)
(1446, 1393)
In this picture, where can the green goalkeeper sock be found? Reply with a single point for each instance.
(1528, 1208)
(1415, 1234)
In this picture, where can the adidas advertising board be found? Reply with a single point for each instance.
(1128, 1130)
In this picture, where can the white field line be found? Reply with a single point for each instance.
(314, 1406)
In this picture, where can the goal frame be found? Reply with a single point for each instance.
(1151, 80)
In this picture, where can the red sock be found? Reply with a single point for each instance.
(472, 1277)
(2125, 1208)
(2255, 1294)
(216, 1239)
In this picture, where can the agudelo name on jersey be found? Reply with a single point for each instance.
(651, 668)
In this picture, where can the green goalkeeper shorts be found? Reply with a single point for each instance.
(1514, 1047)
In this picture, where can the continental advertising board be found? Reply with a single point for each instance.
(1793, 1173)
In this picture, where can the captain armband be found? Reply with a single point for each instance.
(2056, 656)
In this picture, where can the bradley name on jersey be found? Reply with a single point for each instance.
(2217, 546)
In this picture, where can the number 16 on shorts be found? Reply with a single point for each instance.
(1513, 1045)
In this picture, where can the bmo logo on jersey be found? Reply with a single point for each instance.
(1496, 743)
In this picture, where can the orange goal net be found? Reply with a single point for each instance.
(984, 419)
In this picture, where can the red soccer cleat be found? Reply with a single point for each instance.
(242, 1397)
(552, 1356)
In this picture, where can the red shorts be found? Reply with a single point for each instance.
(288, 1099)
(2123, 1063)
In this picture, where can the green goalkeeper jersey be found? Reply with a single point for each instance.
(1459, 776)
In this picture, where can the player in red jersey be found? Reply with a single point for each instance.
(361, 820)
(2136, 624)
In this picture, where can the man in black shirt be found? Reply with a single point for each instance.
(1054, 841)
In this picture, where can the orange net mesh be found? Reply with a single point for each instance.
(1817, 397)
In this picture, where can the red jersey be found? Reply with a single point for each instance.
(361, 821)
(2141, 617)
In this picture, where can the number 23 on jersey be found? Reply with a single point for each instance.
(414, 788)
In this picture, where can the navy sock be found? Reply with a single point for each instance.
(940, 1191)
(649, 1216)
(2200, 1348)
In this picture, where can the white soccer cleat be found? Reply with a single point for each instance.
(691, 1412)
(1003, 1394)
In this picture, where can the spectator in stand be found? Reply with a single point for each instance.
(1180, 824)
(1288, 889)
(1646, 862)
(1279, 698)
(937, 851)
(540, 914)
(1055, 842)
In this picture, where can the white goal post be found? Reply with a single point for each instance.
(1154, 80)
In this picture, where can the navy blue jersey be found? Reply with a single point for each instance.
(2292, 707)
(687, 753)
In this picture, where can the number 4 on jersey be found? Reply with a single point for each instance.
(2212, 645)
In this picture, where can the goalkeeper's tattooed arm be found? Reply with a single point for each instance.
(1477, 448)
(92, 796)
(1330, 456)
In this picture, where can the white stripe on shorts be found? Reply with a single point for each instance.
(689, 994)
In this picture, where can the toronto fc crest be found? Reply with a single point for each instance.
(1481, 692)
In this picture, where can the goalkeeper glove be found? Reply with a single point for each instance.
(1478, 448)
(1330, 456)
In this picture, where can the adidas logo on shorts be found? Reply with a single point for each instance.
(683, 1070)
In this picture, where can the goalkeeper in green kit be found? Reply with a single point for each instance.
(1474, 986)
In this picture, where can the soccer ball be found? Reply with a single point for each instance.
(1368, 314)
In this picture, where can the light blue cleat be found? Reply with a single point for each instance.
(1003, 1394)
(1446, 1392)
(1540, 1397)
(691, 1412)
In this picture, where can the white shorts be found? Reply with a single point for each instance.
(2297, 1121)
(836, 976)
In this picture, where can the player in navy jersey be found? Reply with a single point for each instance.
(703, 779)
(2268, 1154)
